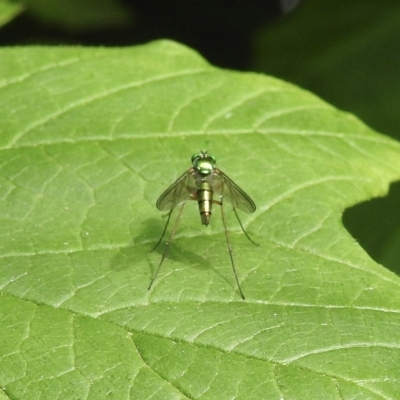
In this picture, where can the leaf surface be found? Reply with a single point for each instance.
(89, 138)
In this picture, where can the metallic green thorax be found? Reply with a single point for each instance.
(203, 168)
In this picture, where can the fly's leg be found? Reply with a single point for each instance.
(168, 243)
(240, 223)
(166, 224)
(230, 249)
(165, 230)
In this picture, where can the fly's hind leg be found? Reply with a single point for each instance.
(230, 248)
(244, 231)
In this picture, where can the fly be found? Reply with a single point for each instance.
(202, 183)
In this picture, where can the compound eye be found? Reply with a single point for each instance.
(195, 158)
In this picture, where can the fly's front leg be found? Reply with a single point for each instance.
(171, 236)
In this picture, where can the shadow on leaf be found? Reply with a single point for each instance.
(375, 224)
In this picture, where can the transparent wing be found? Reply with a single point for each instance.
(181, 190)
(225, 187)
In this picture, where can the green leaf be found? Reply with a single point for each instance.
(353, 65)
(9, 10)
(89, 138)
(78, 16)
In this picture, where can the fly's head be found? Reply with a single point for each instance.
(203, 163)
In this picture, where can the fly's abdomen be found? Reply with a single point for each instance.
(204, 198)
